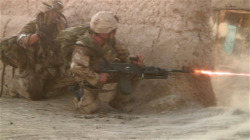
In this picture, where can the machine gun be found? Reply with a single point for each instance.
(143, 72)
(131, 69)
(123, 73)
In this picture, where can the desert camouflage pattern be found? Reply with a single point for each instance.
(43, 65)
(36, 53)
(83, 58)
(103, 22)
(92, 100)
(81, 66)
(69, 36)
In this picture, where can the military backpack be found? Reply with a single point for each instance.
(11, 53)
(67, 39)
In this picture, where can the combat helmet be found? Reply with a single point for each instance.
(55, 4)
(53, 8)
(103, 22)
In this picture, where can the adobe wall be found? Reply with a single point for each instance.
(167, 33)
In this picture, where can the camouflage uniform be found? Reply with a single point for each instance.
(82, 61)
(34, 78)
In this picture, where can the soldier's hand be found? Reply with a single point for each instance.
(103, 77)
(43, 32)
(139, 62)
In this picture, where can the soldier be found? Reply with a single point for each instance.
(101, 38)
(37, 38)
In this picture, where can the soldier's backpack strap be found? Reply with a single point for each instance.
(95, 51)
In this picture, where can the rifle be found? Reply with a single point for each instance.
(144, 72)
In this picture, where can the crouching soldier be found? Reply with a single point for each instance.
(96, 45)
(37, 39)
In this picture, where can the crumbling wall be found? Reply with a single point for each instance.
(167, 33)
(231, 4)
(232, 91)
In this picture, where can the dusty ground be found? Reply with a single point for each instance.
(57, 119)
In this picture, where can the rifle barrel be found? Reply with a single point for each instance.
(182, 71)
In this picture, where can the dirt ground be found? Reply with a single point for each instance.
(57, 119)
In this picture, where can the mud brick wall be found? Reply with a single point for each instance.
(167, 33)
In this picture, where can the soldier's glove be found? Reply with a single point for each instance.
(44, 32)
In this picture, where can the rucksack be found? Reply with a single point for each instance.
(67, 38)
(11, 53)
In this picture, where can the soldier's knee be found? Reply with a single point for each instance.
(109, 94)
(89, 103)
(90, 108)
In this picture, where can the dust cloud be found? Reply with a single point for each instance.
(232, 94)
(233, 91)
